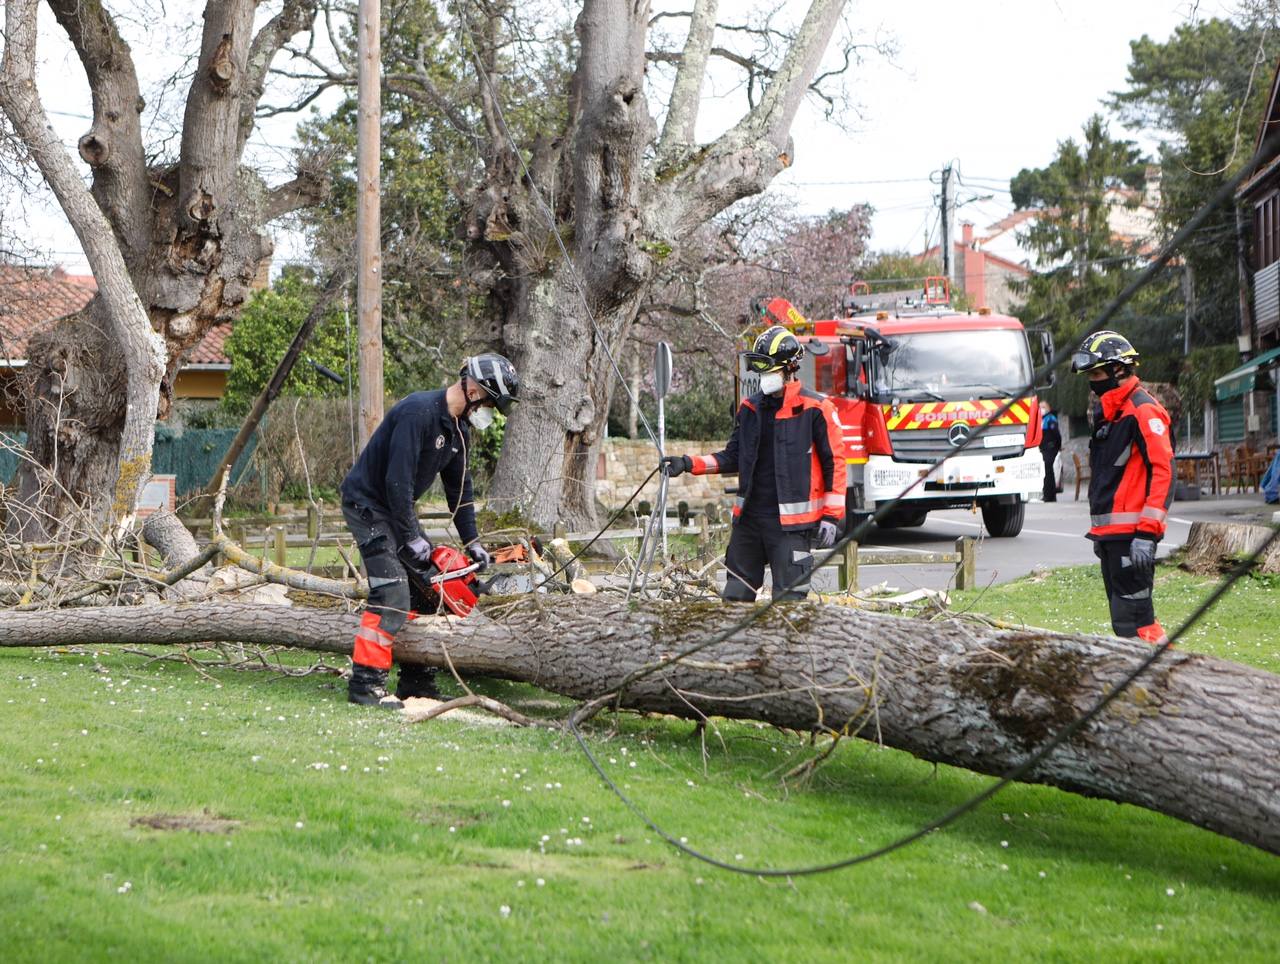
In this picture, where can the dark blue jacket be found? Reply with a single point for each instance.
(417, 441)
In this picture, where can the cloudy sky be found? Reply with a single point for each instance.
(990, 85)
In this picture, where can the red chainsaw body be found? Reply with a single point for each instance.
(457, 594)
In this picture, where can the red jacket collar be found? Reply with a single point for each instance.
(1114, 400)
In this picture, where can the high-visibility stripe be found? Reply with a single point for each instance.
(833, 500)
(1153, 633)
(861, 460)
(372, 643)
(1154, 512)
(1116, 519)
(795, 508)
(704, 465)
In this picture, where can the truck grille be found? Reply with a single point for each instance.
(931, 444)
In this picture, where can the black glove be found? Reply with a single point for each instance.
(673, 465)
(479, 554)
(419, 550)
(1142, 555)
(827, 532)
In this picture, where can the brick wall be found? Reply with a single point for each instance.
(625, 462)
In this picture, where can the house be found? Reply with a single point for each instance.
(1248, 398)
(985, 277)
(32, 299)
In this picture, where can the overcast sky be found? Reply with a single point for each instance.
(992, 85)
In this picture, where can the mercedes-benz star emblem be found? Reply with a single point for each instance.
(958, 434)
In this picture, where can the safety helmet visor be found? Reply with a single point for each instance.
(1083, 361)
(760, 363)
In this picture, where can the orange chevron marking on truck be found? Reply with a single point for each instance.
(915, 415)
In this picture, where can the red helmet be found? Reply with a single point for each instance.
(458, 594)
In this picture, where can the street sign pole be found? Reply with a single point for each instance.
(662, 385)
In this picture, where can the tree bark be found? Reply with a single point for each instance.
(175, 249)
(1193, 739)
(1218, 546)
(620, 212)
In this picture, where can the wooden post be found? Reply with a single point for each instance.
(559, 531)
(847, 573)
(704, 538)
(313, 523)
(280, 548)
(369, 217)
(967, 567)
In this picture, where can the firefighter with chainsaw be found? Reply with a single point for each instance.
(788, 451)
(1131, 487)
(424, 436)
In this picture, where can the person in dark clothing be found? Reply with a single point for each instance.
(424, 436)
(1050, 446)
(788, 451)
(1131, 483)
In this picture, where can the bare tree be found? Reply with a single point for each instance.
(174, 244)
(622, 199)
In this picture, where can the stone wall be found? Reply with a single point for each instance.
(625, 462)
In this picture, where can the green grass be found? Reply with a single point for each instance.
(363, 838)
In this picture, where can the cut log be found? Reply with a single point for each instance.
(1195, 738)
(1219, 546)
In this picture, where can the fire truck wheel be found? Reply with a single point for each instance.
(1003, 521)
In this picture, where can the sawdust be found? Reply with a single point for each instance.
(416, 709)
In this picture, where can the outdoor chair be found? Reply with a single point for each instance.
(1082, 474)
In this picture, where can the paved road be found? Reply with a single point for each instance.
(1052, 536)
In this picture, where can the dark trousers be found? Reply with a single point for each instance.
(1050, 479)
(759, 539)
(1128, 592)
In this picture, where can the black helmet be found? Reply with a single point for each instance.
(496, 375)
(1103, 348)
(775, 348)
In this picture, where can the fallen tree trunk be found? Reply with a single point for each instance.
(1195, 738)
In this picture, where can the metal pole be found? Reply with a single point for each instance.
(948, 212)
(662, 480)
(369, 219)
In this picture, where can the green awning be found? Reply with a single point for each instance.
(1241, 380)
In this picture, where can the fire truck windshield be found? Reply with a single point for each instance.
(957, 364)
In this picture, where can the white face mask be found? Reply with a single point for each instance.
(771, 382)
(481, 418)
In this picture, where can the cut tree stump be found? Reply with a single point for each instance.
(1194, 739)
(1213, 547)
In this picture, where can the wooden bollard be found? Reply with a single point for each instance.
(847, 572)
(280, 548)
(967, 567)
(313, 523)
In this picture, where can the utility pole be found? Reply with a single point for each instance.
(369, 217)
(948, 227)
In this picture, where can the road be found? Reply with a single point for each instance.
(1053, 535)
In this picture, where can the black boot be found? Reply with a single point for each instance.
(368, 687)
(417, 680)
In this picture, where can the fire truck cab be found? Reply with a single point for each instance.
(912, 378)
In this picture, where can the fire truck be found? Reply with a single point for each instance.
(912, 378)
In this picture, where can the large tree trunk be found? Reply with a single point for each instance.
(174, 248)
(1194, 738)
(1219, 546)
(622, 199)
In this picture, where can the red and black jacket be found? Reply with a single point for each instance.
(808, 457)
(1131, 460)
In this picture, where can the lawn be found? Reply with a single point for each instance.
(359, 837)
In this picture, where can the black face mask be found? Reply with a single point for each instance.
(1104, 385)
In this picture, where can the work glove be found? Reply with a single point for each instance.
(827, 533)
(673, 465)
(479, 554)
(1142, 555)
(419, 550)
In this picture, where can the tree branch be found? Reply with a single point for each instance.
(113, 145)
(682, 109)
(294, 16)
(308, 188)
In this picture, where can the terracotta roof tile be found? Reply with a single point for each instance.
(32, 299)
